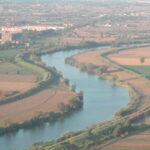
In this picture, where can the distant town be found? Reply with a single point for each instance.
(8, 32)
(121, 21)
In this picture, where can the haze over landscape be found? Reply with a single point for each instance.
(74, 75)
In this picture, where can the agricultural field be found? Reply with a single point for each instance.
(132, 57)
(8, 54)
(143, 70)
(14, 79)
(42, 102)
(13, 68)
(12, 84)
(91, 57)
(17, 82)
(18, 76)
(134, 142)
(137, 60)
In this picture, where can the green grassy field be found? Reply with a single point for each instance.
(11, 68)
(8, 54)
(143, 70)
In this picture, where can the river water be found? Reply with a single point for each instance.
(101, 100)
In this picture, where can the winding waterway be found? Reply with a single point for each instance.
(101, 100)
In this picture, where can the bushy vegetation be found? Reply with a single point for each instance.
(90, 68)
(135, 97)
(74, 104)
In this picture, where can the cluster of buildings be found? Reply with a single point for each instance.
(7, 32)
(6, 37)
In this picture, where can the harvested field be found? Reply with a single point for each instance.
(132, 144)
(16, 86)
(132, 57)
(4, 94)
(92, 57)
(135, 142)
(17, 78)
(17, 82)
(27, 108)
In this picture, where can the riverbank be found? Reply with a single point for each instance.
(36, 113)
(106, 68)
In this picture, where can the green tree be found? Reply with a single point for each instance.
(142, 59)
(62, 107)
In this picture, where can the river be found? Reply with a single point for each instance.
(101, 100)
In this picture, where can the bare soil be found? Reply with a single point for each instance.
(16, 86)
(132, 56)
(17, 82)
(17, 78)
(91, 57)
(28, 108)
(135, 142)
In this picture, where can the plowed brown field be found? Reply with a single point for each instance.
(15, 86)
(132, 56)
(10, 83)
(135, 142)
(27, 108)
(17, 78)
(16, 82)
(92, 57)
